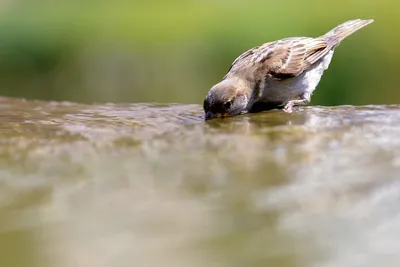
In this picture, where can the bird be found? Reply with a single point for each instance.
(278, 74)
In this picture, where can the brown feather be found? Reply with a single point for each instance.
(291, 56)
(284, 58)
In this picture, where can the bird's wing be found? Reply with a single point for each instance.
(241, 60)
(284, 58)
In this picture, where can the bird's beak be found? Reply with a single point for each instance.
(210, 115)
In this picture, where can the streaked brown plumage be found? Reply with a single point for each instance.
(280, 73)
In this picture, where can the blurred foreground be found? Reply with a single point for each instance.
(153, 185)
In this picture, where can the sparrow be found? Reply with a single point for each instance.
(278, 74)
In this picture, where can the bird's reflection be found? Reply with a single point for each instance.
(253, 122)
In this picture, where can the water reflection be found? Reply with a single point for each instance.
(109, 185)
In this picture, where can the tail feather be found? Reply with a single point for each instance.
(337, 34)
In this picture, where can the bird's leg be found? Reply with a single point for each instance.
(304, 100)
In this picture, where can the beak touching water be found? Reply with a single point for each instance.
(209, 115)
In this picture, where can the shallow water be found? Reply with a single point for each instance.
(155, 185)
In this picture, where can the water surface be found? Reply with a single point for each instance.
(155, 185)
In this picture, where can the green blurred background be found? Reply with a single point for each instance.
(174, 51)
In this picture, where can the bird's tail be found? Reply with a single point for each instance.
(337, 34)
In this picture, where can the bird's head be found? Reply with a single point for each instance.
(227, 98)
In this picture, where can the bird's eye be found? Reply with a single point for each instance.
(228, 104)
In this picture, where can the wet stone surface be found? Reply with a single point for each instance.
(155, 185)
